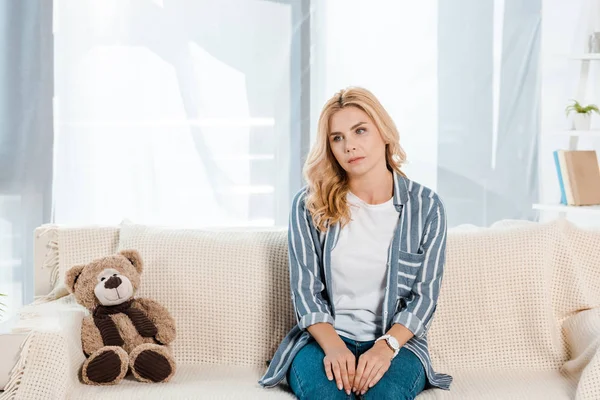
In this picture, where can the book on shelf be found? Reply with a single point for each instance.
(578, 177)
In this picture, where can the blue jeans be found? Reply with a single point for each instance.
(404, 380)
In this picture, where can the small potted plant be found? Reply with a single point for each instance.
(583, 115)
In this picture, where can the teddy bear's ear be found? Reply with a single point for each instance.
(134, 257)
(71, 277)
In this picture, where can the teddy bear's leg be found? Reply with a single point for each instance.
(105, 366)
(152, 363)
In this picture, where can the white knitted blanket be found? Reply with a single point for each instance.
(70, 246)
(518, 314)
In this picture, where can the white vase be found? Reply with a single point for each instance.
(582, 122)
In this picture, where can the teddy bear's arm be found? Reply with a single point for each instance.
(159, 315)
(90, 336)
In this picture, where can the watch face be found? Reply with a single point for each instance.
(393, 342)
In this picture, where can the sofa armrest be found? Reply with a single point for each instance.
(582, 333)
(10, 343)
(51, 354)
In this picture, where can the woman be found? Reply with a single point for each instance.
(367, 251)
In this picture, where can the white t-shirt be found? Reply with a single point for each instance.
(359, 268)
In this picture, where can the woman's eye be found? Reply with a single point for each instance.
(337, 138)
(361, 130)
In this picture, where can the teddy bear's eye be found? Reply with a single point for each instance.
(102, 279)
(114, 274)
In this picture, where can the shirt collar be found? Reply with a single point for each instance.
(400, 189)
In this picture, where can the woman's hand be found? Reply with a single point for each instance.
(340, 362)
(372, 365)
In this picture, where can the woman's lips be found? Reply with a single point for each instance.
(355, 160)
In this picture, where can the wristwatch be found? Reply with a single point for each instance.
(392, 342)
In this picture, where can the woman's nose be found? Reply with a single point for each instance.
(350, 146)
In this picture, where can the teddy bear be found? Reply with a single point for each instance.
(121, 332)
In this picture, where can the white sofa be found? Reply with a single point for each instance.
(518, 315)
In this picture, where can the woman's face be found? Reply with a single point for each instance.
(356, 142)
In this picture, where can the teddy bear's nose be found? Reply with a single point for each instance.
(112, 282)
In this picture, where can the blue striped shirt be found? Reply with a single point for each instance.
(415, 267)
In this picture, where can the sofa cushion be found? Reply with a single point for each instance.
(235, 382)
(513, 385)
(191, 382)
(228, 290)
(506, 291)
(70, 246)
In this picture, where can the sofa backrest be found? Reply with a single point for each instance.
(228, 291)
(505, 292)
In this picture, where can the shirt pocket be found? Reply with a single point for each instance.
(409, 265)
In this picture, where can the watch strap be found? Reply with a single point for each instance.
(386, 338)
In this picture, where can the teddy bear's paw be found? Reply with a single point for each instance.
(106, 366)
(152, 363)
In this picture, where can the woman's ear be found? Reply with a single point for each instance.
(71, 277)
(134, 257)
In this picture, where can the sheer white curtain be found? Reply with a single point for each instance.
(461, 81)
(25, 142)
(198, 112)
(390, 48)
(173, 112)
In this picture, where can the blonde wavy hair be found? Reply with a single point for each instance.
(327, 180)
